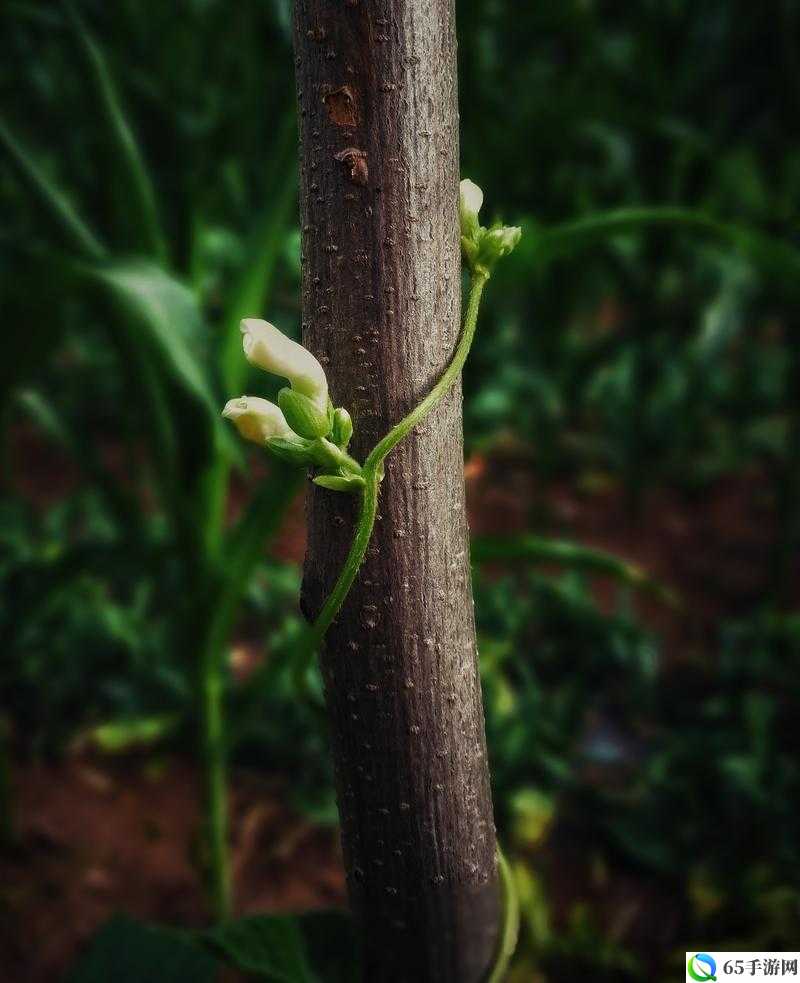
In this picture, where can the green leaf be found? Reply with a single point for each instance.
(126, 951)
(121, 735)
(139, 195)
(774, 257)
(271, 947)
(536, 549)
(168, 315)
(52, 199)
(724, 318)
(160, 335)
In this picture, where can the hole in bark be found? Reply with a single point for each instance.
(341, 105)
(356, 161)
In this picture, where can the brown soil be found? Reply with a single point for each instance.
(95, 836)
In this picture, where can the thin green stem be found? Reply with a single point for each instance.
(335, 457)
(358, 549)
(509, 924)
(372, 473)
(449, 376)
(213, 752)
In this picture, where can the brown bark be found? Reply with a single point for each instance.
(381, 308)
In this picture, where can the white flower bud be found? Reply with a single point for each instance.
(256, 419)
(270, 349)
(469, 204)
(342, 429)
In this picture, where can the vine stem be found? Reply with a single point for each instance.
(372, 473)
(509, 926)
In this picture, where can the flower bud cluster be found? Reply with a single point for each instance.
(482, 247)
(303, 428)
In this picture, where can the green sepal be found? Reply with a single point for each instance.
(332, 459)
(303, 415)
(497, 242)
(333, 482)
(483, 249)
(342, 428)
(294, 450)
(469, 248)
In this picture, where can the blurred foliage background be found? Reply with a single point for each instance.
(633, 466)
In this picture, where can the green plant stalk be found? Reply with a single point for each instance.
(372, 473)
(213, 751)
(258, 524)
(226, 585)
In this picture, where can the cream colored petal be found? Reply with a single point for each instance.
(270, 349)
(470, 197)
(256, 419)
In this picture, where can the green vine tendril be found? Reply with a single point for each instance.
(372, 473)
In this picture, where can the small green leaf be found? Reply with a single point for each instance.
(120, 735)
(126, 951)
(271, 947)
(168, 314)
(351, 485)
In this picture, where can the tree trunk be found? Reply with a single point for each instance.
(376, 86)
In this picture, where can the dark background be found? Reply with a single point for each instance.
(632, 420)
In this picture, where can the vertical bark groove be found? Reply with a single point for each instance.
(381, 309)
